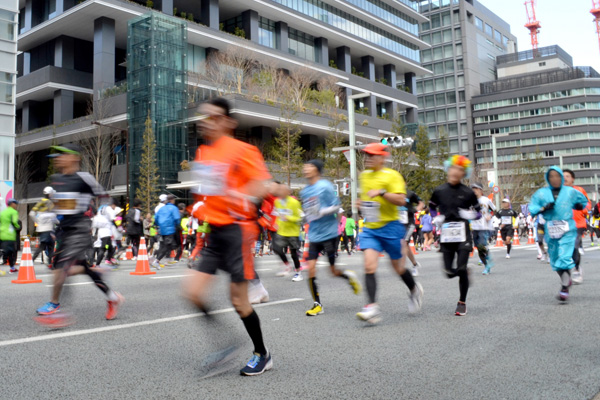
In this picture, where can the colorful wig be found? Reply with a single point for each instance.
(459, 161)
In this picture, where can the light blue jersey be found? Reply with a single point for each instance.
(315, 198)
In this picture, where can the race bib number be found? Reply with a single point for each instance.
(311, 209)
(506, 220)
(370, 210)
(453, 232)
(556, 229)
(212, 177)
(404, 217)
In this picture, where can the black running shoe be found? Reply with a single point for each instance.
(461, 309)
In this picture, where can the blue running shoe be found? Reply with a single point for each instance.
(48, 308)
(257, 365)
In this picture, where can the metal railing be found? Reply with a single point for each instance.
(535, 54)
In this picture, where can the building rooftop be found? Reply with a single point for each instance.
(536, 54)
(537, 79)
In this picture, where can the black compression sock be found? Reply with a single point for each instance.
(371, 285)
(252, 324)
(463, 285)
(314, 291)
(508, 247)
(408, 280)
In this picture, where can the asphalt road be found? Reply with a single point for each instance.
(517, 341)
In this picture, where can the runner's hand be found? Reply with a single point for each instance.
(549, 206)
(373, 193)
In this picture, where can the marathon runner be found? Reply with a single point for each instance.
(289, 216)
(46, 221)
(457, 204)
(320, 205)
(482, 227)
(555, 203)
(382, 191)
(580, 217)
(540, 230)
(74, 191)
(233, 177)
(507, 217)
(407, 218)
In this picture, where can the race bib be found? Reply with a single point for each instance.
(453, 232)
(311, 208)
(506, 220)
(556, 229)
(212, 177)
(284, 212)
(404, 217)
(370, 210)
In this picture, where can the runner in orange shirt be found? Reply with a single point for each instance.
(580, 217)
(233, 177)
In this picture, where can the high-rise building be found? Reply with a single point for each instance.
(9, 11)
(466, 38)
(541, 107)
(101, 67)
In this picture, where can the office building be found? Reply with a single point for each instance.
(542, 106)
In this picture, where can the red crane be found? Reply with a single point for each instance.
(532, 23)
(596, 13)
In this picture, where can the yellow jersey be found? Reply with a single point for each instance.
(289, 214)
(377, 211)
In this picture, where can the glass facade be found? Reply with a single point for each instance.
(388, 13)
(156, 87)
(8, 66)
(266, 32)
(353, 25)
(301, 44)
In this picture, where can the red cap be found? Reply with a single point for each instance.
(376, 149)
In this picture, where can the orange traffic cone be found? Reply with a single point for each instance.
(26, 270)
(516, 241)
(142, 267)
(472, 252)
(412, 246)
(499, 242)
(173, 254)
(530, 240)
(129, 253)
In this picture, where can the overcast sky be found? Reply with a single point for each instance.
(568, 24)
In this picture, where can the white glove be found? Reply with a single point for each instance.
(439, 220)
(467, 214)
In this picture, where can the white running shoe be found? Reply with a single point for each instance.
(257, 293)
(370, 313)
(414, 271)
(577, 277)
(508, 256)
(285, 271)
(298, 277)
(415, 299)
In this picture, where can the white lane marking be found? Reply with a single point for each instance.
(74, 284)
(168, 276)
(132, 325)
(263, 269)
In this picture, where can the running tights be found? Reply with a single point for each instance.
(565, 278)
(462, 258)
(508, 247)
(293, 253)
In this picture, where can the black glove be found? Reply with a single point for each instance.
(549, 206)
(579, 207)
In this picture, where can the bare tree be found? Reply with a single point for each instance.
(23, 173)
(231, 69)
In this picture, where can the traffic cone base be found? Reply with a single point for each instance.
(142, 266)
(129, 253)
(412, 246)
(26, 270)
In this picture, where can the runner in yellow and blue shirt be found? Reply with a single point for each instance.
(289, 216)
(382, 191)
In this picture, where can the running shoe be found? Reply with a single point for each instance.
(56, 320)
(577, 277)
(592, 244)
(540, 257)
(156, 265)
(315, 310)
(48, 308)
(508, 256)
(298, 277)
(415, 299)
(353, 281)
(370, 313)
(486, 271)
(563, 295)
(171, 262)
(13, 271)
(461, 309)
(257, 365)
(581, 251)
(113, 306)
(414, 271)
(257, 293)
(285, 271)
(108, 262)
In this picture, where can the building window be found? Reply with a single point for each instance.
(479, 23)
(6, 87)
(438, 53)
(429, 101)
(196, 58)
(436, 37)
(461, 94)
(498, 36)
(451, 97)
(549, 153)
(459, 49)
(584, 165)
(457, 34)
(266, 32)
(459, 65)
(301, 44)
(542, 64)
(436, 22)
(447, 35)
(449, 66)
(446, 19)
(438, 68)
(232, 23)
(489, 30)
(425, 26)
(7, 25)
(441, 115)
(440, 99)
(504, 40)
(452, 117)
(491, 57)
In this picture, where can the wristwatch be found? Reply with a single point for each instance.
(382, 192)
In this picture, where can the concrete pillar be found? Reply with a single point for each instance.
(343, 61)
(26, 116)
(64, 52)
(371, 103)
(411, 115)
(368, 67)
(281, 36)
(63, 106)
(165, 6)
(322, 50)
(104, 54)
(210, 13)
(410, 80)
(26, 63)
(27, 25)
(250, 25)
(389, 74)
(390, 109)
(63, 5)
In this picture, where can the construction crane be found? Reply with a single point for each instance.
(596, 13)
(532, 23)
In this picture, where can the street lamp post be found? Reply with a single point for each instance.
(352, 139)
